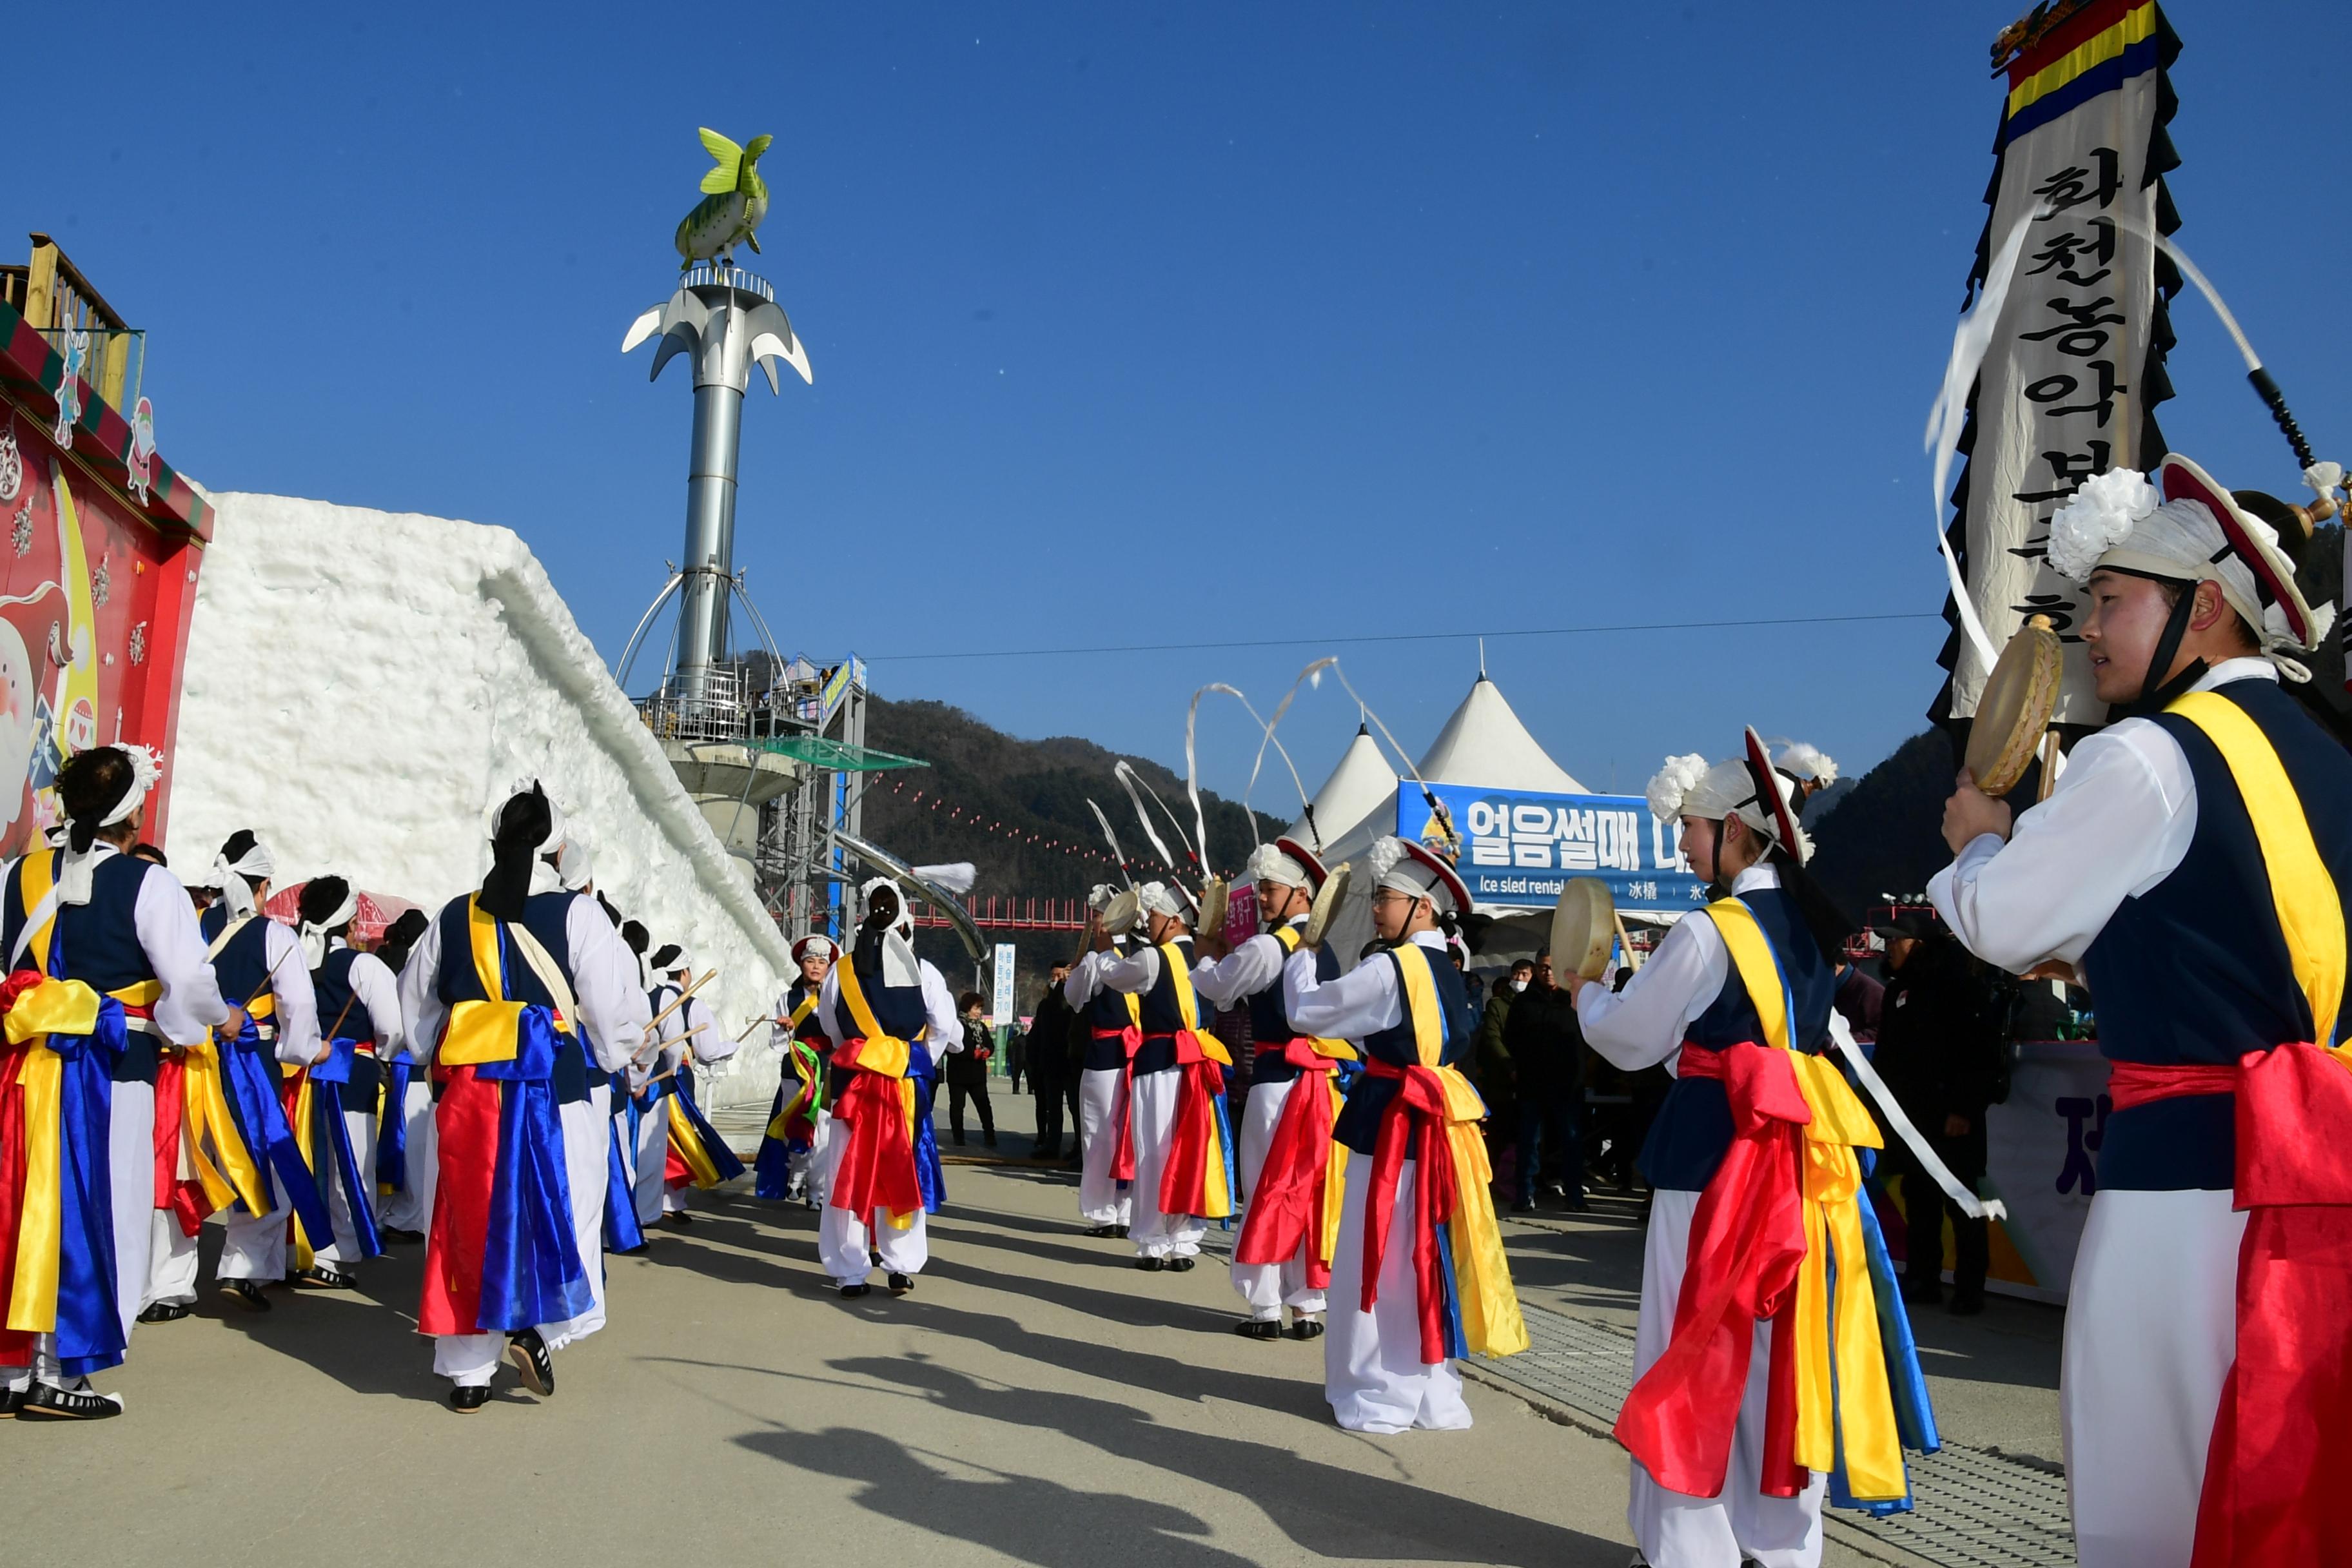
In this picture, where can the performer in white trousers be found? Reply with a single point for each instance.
(560, 954)
(1407, 1006)
(1114, 1035)
(359, 1005)
(260, 965)
(407, 1210)
(788, 1148)
(890, 1018)
(1689, 1002)
(2190, 867)
(1285, 1061)
(588, 1123)
(1152, 1082)
(125, 928)
(690, 1037)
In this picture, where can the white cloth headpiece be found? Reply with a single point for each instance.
(230, 878)
(900, 965)
(1394, 865)
(314, 933)
(1688, 787)
(575, 866)
(1099, 896)
(1166, 898)
(76, 877)
(1267, 863)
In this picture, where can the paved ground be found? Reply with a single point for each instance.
(1035, 1401)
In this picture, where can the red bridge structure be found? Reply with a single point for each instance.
(994, 913)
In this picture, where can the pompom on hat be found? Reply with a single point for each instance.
(816, 942)
(1286, 861)
(2185, 528)
(1762, 794)
(1171, 899)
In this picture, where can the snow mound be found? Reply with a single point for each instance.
(359, 685)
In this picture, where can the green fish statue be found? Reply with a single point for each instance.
(734, 203)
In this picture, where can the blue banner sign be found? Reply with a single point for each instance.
(1521, 848)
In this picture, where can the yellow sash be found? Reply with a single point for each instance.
(2310, 907)
(799, 1015)
(1842, 1387)
(1491, 1322)
(1188, 1005)
(487, 1030)
(882, 1053)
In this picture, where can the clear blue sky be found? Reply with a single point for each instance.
(1212, 322)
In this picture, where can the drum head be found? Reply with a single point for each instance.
(1326, 906)
(2019, 697)
(1213, 898)
(1583, 927)
(1123, 911)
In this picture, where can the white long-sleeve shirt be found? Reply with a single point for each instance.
(1086, 981)
(693, 1028)
(944, 1026)
(1644, 1025)
(297, 1015)
(168, 934)
(612, 1008)
(1249, 969)
(2119, 823)
(376, 989)
(1359, 1003)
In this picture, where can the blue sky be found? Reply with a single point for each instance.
(1185, 324)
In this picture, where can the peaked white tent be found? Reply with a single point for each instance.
(1362, 787)
(1484, 744)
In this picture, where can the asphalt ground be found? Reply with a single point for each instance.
(1035, 1400)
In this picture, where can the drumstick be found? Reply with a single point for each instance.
(2049, 763)
(1633, 959)
(654, 1022)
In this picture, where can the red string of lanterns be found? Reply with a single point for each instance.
(970, 819)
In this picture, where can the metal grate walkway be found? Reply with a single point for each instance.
(1975, 1509)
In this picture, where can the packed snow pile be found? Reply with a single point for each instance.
(361, 685)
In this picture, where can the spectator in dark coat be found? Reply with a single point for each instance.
(1941, 1054)
(1858, 1001)
(1547, 1051)
(1048, 1050)
(966, 1072)
(1490, 1066)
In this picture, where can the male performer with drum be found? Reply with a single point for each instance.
(1415, 1163)
(1281, 1258)
(1113, 1037)
(1694, 1006)
(2192, 867)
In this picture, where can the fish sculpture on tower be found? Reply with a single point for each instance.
(734, 203)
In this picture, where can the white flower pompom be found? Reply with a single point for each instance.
(1808, 763)
(2101, 516)
(1383, 856)
(1672, 783)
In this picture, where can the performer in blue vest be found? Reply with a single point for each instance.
(260, 967)
(504, 991)
(1113, 1037)
(1150, 1133)
(892, 1018)
(359, 1005)
(2193, 868)
(1282, 1258)
(403, 1160)
(1417, 1274)
(698, 1157)
(796, 1121)
(91, 917)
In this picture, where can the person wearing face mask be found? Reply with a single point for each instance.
(2193, 867)
(1415, 1163)
(1736, 1001)
(1173, 1147)
(1285, 1149)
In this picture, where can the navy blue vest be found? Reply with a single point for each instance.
(332, 984)
(1693, 1130)
(898, 1008)
(1107, 1017)
(101, 944)
(1161, 1016)
(1270, 1028)
(1359, 1126)
(2196, 969)
(243, 966)
(543, 915)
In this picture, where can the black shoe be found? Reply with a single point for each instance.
(1967, 1303)
(466, 1398)
(1122, 1233)
(1258, 1329)
(851, 1292)
(958, 1139)
(1922, 1292)
(1523, 1206)
(164, 1312)
(1048, 1155)
(679, 1218)
(528, 1350)
(405, 1237)
(900, 1284)
(1152, 1265)
(246, 1294)
(1104, 1230)
(874, 1256)
(988, 1140)
(1576, 1204)
(1307, 1328)
(1182, 1265)
(12, 1400)
(46, 1402)
(318, 1277)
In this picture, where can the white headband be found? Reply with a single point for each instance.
(76, 877)
(314, 933)
(575, 868)
(235, 892)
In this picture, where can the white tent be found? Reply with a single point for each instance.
(1482, 743)
(1363, 786)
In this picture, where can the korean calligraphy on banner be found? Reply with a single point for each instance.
(1521, 848)
(2075, 367)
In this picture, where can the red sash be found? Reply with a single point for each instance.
(466, 1125)
(183, 1196)
(1417, 1111)
(877, 1164)
(1747, 1242)
(1293, 1186)
(1122, 1159)
(1192, 1139)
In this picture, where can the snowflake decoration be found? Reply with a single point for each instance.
(12, 465)
(139, 643)
(101, 584)
(21, 536)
